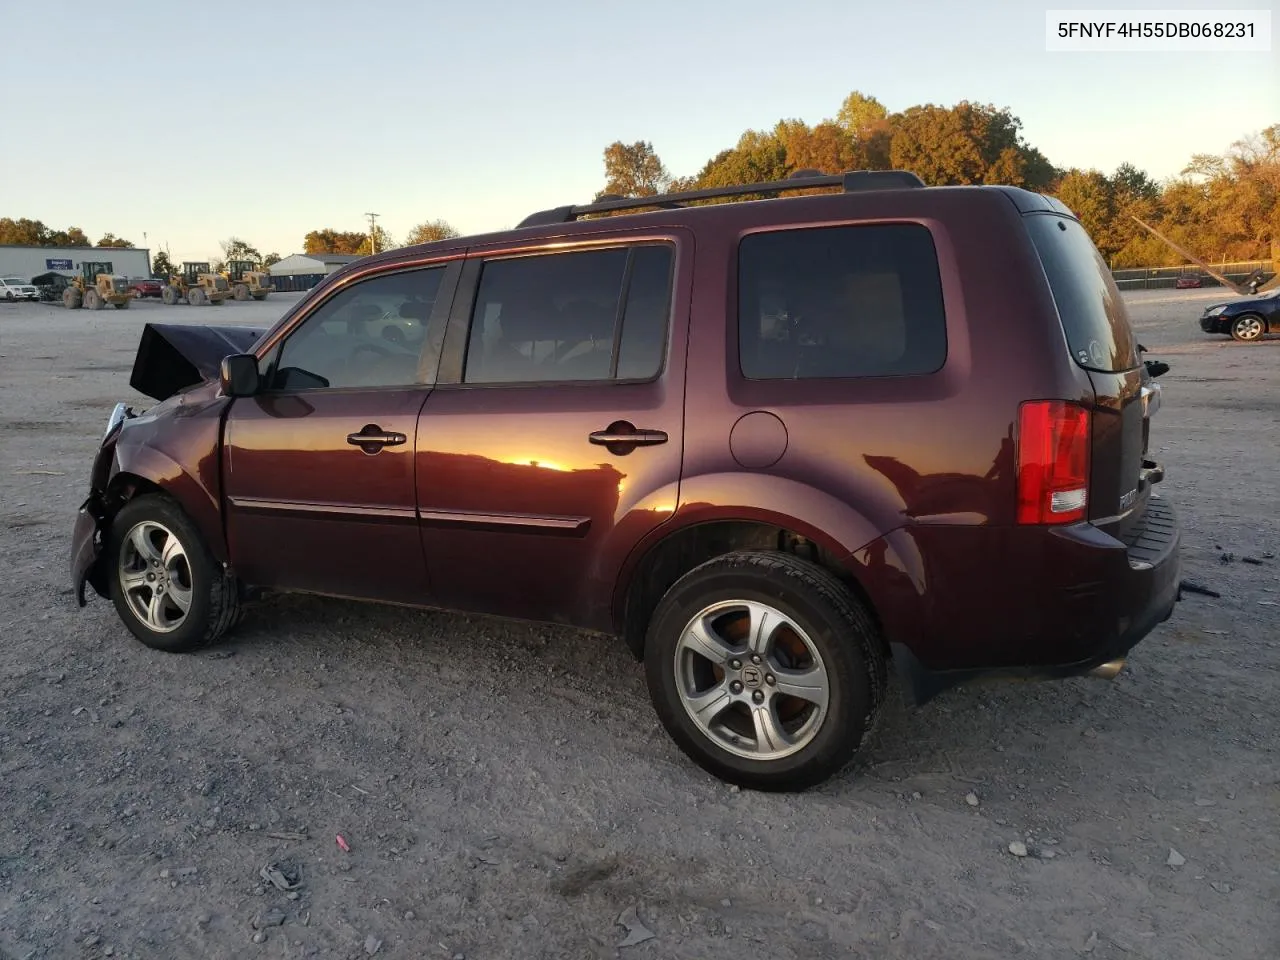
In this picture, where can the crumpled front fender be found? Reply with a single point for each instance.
(86, 550)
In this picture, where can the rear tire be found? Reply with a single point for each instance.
(168, 296)
(71, 298)
(795, 716)
(1248, 328)
(152, 537)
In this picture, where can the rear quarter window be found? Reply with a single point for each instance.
(840, 302)
(1089, 304)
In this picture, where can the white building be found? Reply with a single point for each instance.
(28, 262)
(302, 271)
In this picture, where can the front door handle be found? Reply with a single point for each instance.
(373, 438)
(622, 437)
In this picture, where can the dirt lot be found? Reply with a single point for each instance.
(505, 791)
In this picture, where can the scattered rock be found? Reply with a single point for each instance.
(735, 789)
(203, 919)
(1175, 858)
(726, 902)
(1018, 848)
(1221, 887)
(917, 795)
(971, 799)
(77, 711)
(293, 895)
(260, 937)
(410, 915)
(1046, 854)
(372, 945)
(1090, 943)
(1091, 733)
(637, 932)
(92, 940)
(272, 918)
(1205, 802)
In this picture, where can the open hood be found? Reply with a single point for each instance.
(174, 356)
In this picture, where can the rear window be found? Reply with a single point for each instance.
(1089, 304)
(840, 302)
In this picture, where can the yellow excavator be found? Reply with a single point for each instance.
(247, 280)
(96, 287)
(196, 285)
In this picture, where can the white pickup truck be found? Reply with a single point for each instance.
(11, 288)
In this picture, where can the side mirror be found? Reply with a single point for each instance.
(239, 374)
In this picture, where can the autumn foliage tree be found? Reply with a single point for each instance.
(33, 233)
(334, 241)
(430, 231)
(1226, 207)
(633, 170)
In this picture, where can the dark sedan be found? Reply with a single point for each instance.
(1246, 320)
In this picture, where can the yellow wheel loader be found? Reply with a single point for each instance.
(196, 285)
(247, 280)
(96, 287)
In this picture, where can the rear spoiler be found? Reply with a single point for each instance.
(174, 356)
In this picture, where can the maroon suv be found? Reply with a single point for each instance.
(771, 444)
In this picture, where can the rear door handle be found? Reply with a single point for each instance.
(625, 437)
(373, 438)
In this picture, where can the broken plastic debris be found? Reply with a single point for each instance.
(637, 932)
(277, 878)
(342, 844)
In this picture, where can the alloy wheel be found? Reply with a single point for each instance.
(751, 679)
(155, 576)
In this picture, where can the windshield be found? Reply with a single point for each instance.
(1089, 303)
(14, 281)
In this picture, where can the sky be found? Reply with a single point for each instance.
(268, 120)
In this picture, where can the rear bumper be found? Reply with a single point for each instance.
(1090, 598)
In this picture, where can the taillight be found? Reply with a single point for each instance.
(1053, 462)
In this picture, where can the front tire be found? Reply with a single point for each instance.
(241, 291)
(765, 669)
(166, 585)
(1248, 328)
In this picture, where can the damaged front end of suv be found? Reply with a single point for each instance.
(165, 448)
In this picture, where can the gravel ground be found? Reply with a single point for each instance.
(506, 791)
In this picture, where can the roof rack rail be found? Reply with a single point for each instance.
(854, 181)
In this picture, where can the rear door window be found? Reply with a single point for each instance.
(1089, 304)
(840, 302)
(572, 316)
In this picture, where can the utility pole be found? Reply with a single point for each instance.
(373, 232)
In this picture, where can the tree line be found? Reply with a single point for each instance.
(359, 243)
(33, 233)
(1223, 207)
